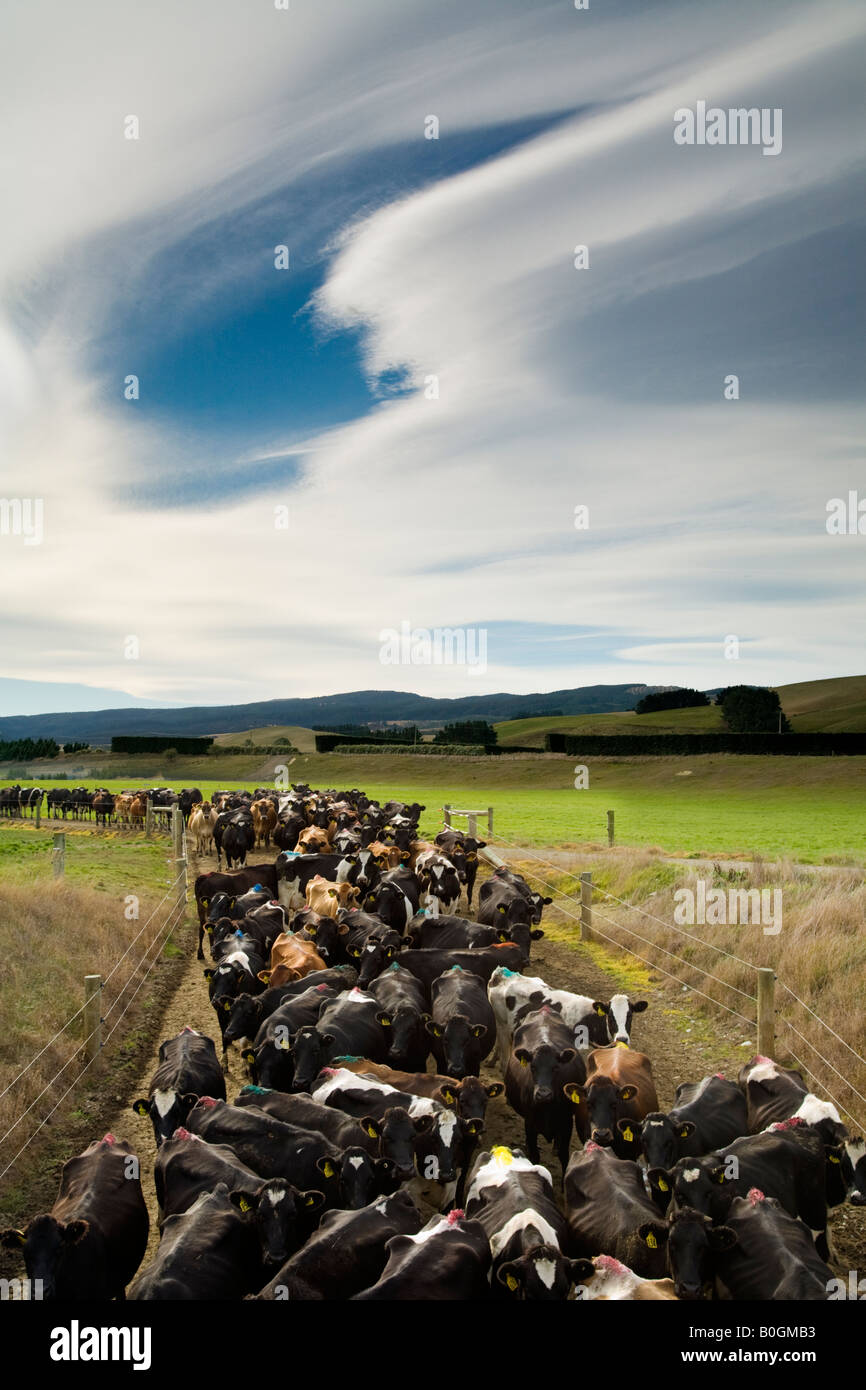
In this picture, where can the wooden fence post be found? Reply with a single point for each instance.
(586, 907)
(489, 820)
(179, 859)
(610, 834)
(766, 1013)
(148, 818)
(446, 812)
(39, 813)
(58, 855)
(472, 827)
(92, 1016)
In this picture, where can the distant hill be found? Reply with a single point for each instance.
(836, 706)
(357, 707)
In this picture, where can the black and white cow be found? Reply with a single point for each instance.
(610, 1213)
(514, 1201)
(461, 1027)
(706, 1115)
(188, 1068)
(447, 1261)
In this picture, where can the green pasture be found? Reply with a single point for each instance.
(811, 809)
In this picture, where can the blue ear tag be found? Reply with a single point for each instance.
(257, 888)
(238, 932)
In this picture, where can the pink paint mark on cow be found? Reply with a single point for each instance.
(720, 1076)
(755, 1196)
(181, 1133)
(320, 988)
(792, 1123)
(109, 1139)
(591, 1147)
(763, 1059)
(187, 1029)
(207, 1102)
(455, 1216)
(328, 1071)
(608, 1262)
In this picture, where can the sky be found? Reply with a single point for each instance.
(401, 427)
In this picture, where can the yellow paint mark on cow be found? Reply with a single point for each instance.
(502, 1155)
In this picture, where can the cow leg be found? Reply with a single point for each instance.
(561, 1144)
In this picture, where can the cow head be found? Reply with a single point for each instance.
(47, 1246)
(458, 1042)
(693, 1242)
(281, 1215)
(542, 1275)
(620, 1013)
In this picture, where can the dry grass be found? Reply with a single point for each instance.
(50, 938)
(819, 955)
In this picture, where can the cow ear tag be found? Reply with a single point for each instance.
(328, 1169)
(244, 1204)
(834, 1158)
(651, 1241)
(599, 1010)
(663, 1187)
(372, 1133)
(511, 1282)
(684, 1134)
(628, 1135)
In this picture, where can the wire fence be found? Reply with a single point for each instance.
(821, 1078)
(138, 971)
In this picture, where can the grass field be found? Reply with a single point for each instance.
(808, 808)
(835, 705)
(704, 719)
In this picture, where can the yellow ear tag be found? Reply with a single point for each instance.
(502, 1155)
(599, 1011)
(511, 1282)
(523, 1062)
(310, 1202)
(652, 1242)
(328, 1169)
(575, 1098)
(663, 1187)
(284, 1044)
(833, 1158)
(720, 1178)
(386, 1023)
(628, 1135)
(244, 1204)
(372, 1133)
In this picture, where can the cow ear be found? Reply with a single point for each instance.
(627, 1092)
(209, 972)
(12, 1239)
(494, 1089)
(327, 1169)
(537, 934)
(74, 1231)
(686, 1129)
(567, 1054)
(447, 1095)
(639, 1007)
(479, 1030)
(313, 1199)
(332, 892)
(244, 1201)
(249, 1057)
(141, 1107)
(433, 1029)
(511, 1276)
(653, 1234)
(573, 1092)
(581, 1271)
(311, 931)
(189, 1099)
(326, 1039)
(500, 908)
(371, 1126)
(629, 1130)
(265, 976)
(384, 1019)
(721, 1238)
(601, 1009)
(423, 1123)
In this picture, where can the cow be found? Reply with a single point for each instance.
(772, 1092)
(394, 899)
(248, 1012)
(403, 998)
(441, 1134)
(291, 959)
(470, 1097)
(447, 932)
(843, 1152)
(240, 881)
(499, 900)
(462, 850)
(264, 814)
(209, 1251)
(103, 806)
(200, 824)
(313, 840)
(761, 1252)
(348, 1177)
(440, 882)
(188, 1068)
(461, 1027)
(446, 1261)
(606, 1280)
(270, 1057)
(609, 1212)
(512, 995)
(188, 798)
(326, 898)
(354, 1023)
(186, 1167)
(705, 1115)
(390, 1137)
(387, 856)
(514, 1201)
(787, 1165)
(427, 966)
(293, 871)
(347, 1253)
(619, 1086)
(238, 838)
(542, 1066)
(92, 1241)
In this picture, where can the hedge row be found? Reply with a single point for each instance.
(328, 743)
(462, 750)
(685, 745)
(258, 750)
(158, 743)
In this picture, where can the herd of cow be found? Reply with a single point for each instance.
(105, 807)
(345, 1169)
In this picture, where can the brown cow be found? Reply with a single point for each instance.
(291, 959)
(326, 898)
(619, 1086)
(417, 1083)
(313, 841)
(418, 847)
(264, 820)
(138, 809)
(387, 856)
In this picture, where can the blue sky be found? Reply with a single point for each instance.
(416, 261)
